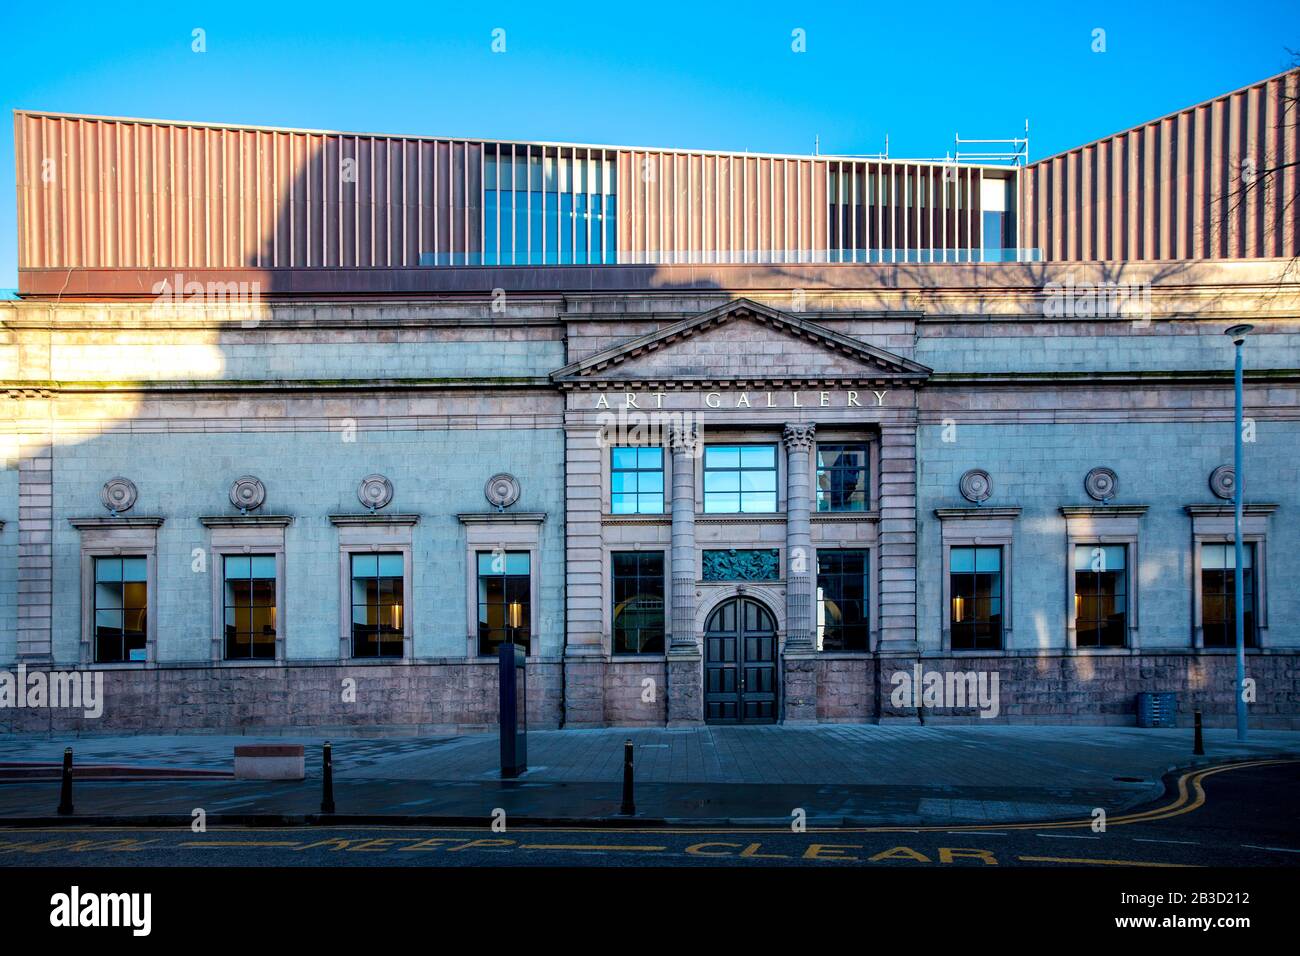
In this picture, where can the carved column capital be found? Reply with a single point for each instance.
(683, 438)
(798, 436)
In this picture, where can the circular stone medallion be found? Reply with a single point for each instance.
(976, 485)
(247, 493)
(501, 490)
(1101, 484)
(119, 494)
(375, 491)
(1223, 482)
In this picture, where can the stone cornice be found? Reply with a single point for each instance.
(817, 517)
(1172, 376)
(945, 514)
(760, 518)
(1227, 510)
(404, 284)
(95, 524)
(826, 517)
(502, 517)
(529, 382)
(1103, 511)
(246, 521)
(373, 518)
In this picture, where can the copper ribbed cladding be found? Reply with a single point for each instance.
(682, 207)
(130, 194)
(1176, 188)
(95, 192)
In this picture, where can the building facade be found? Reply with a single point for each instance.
(301, 428)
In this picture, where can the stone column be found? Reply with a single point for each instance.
(896, 565)
(799, 659)
(35, 538)
(584, 650)
(685, 667)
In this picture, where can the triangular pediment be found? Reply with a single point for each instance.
(742, 343)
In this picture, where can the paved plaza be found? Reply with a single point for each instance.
(874, 773)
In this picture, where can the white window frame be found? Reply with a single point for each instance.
(238, 535)
(375, 533)
(118, 537)
(1096, 525)
(509, 531)
(977, 528)
(1213, 524)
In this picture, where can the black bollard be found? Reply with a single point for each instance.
(629, 806)
(327, 798)
(1198, 746)
(65, 791)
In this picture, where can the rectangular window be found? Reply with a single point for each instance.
(636, 481)
(378, 589)
(975, 585)
(1218, 594)
(739, 479)
(504, 605)
(996, 220)
(638, 579)
(1101, 595)
(842, 477)
(842, 590)
(121, 609)
(250, 606)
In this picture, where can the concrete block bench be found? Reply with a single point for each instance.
(269, 762)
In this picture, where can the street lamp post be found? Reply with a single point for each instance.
(1238, 335)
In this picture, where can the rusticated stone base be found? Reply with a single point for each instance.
(636, 693)
(584, 692)
(356, 700)
(799, 688)
(455, 696)
(605, 693)
(1103, 689)
(685, 690)
(846, 689)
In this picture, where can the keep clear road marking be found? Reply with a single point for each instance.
(834, 853)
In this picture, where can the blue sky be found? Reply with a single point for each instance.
(720, 77)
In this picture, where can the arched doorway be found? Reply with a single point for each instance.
(740, 664)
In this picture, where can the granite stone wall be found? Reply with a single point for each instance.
(349, 699)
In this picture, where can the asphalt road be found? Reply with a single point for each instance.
(1240, 815)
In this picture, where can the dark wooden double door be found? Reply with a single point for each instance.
(740, 664)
